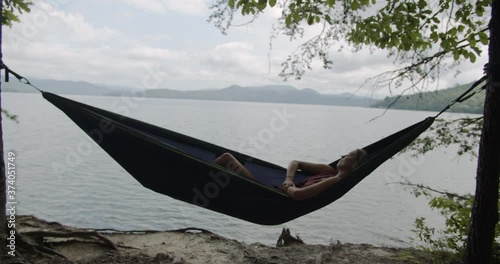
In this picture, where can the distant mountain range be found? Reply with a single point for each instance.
(428, 101)
(268, 93)
(56, 86)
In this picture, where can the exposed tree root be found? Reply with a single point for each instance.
(286, 239)
(187, 229)
(32, 243)
(40, 235)
(34, 248)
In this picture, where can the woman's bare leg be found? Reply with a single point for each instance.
(231, 163)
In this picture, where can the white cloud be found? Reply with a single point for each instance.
(237, 58)
(155, 6)
(155, 38)
(236, 46)
(163, 6)
(104, 64)
(192, 6)
(47, 24)
(81, 31)
(151, 53)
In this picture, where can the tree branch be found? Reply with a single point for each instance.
(421, 186)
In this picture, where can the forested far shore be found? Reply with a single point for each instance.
(435, 101)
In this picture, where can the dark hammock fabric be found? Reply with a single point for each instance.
(181, 167)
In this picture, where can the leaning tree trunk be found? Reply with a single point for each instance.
(3, 200)
(485, 209)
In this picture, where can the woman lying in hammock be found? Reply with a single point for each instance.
(324, 174)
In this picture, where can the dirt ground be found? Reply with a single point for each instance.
(75, 245)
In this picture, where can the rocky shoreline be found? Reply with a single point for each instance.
(51, 242)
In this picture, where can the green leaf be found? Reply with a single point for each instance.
(243, 3)
(328, 19)
(483, 37)
(245, 10)
(434, 36)
(296, 17)
(230, 3)
(456, 55)
(355, 5)
(472, 41)
(466, 55)
(310, 20)
(331, 3)
(422, 4)
(262, 5)
(288, 20)
(272, 3)
(479, 10)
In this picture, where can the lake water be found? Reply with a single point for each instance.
(60, 180)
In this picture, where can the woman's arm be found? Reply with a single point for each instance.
(312, 190)
(313, 168)
(291, 170)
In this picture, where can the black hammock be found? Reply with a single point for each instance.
(181, 167)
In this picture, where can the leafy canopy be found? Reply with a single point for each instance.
(419, 33)
(12, 8)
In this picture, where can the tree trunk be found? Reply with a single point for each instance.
(485, 209)
(3, 200)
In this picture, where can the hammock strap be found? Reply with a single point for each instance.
(21, 79)
(479, 84)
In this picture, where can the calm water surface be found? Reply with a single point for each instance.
(61, 177)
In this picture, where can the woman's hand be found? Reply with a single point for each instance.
(292, 191)
(287, 184)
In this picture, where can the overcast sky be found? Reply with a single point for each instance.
(119, 42)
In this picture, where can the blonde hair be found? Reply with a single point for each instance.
(361, 156)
